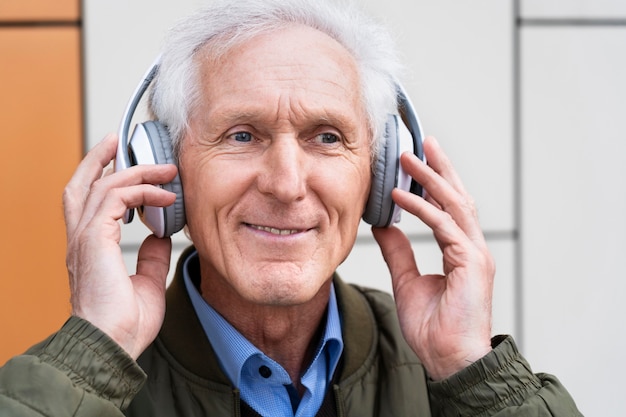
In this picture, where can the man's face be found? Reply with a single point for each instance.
(276, 166)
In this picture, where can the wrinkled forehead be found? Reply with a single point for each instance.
(295, 63)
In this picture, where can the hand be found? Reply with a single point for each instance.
(129, 309)
(446, 319)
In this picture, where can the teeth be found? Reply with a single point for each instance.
(275, 231)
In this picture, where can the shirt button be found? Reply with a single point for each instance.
(265, 371)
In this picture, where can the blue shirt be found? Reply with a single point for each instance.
(263, 383)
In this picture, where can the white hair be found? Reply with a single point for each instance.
(226, 23)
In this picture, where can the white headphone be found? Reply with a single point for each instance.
(150, 143)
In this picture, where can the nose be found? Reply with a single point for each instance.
(283, 174)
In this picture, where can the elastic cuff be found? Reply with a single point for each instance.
(94, 362)
(499, 379)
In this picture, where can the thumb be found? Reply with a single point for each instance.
(153, 259)
(397, 252)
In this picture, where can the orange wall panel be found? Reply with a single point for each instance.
(39, 10)
(41, 119)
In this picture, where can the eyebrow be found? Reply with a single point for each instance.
(323, 117)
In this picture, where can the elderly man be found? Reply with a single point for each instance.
(276, 110)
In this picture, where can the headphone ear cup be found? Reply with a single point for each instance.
(380, 207)
(151, 144)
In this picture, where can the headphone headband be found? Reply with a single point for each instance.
(122, 149)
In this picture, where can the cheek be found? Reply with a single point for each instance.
(347, 194)
(207, 191)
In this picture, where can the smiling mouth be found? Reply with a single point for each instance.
(275, 231)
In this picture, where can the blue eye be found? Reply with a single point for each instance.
(327, 138)
(242, 137)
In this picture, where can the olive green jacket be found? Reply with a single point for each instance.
(79, 371)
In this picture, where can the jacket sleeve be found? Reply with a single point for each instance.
(500, 384)
(78, 371)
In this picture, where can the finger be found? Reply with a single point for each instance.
(445, 229)
(397, 252)
(441, 164)
(89, 170)
(138, 174)
(132, 187)
(115, 203)
(442, 195)
(457, 247)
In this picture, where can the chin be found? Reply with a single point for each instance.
(284, 290)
